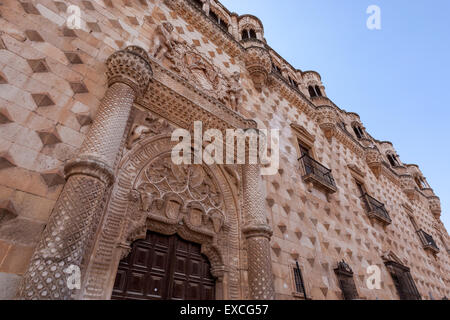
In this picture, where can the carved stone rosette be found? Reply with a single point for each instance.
(327, 118)
(259, 65)
(258, 234)
(60, 253)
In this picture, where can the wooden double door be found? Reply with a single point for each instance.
(164, 268)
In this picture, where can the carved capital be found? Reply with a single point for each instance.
(90, 166)
(259, 65)
(252, 231)
(130, 66)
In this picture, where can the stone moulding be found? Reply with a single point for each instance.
(169, 94)
(126, 220)
(195, 16)
(304, 134)
(293, 96)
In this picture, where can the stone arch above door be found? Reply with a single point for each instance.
(196, 202)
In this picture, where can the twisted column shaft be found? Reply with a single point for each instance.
(258, 234)
(61, 250)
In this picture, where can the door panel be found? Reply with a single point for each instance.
(161, 268)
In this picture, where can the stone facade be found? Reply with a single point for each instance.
(86, 117)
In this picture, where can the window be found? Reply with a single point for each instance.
(293, 83)
(361, 188)
(298, 280)
(403, 281)
(358, 131)
(249, 34)
(393, 160)
(304, 150)
(421, 183)
(374, 208)
(346, 282)
(315, 172)
(312, 92)
(319, 93)
(276, 68)
(218, 20)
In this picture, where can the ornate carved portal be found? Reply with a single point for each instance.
(196, 202)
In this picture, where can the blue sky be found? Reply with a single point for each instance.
(396, 78)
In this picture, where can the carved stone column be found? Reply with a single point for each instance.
(258, 234)
(61, 252)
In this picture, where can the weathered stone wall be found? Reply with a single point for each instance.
(52, 80)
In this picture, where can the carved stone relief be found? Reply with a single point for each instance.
(196, 202)
(194, 67)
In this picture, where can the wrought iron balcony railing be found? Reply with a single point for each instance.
(428, 241)
(318, 174)
(375, 209)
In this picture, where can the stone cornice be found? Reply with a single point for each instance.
(292, 95)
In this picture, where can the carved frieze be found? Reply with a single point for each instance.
(147, 126)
